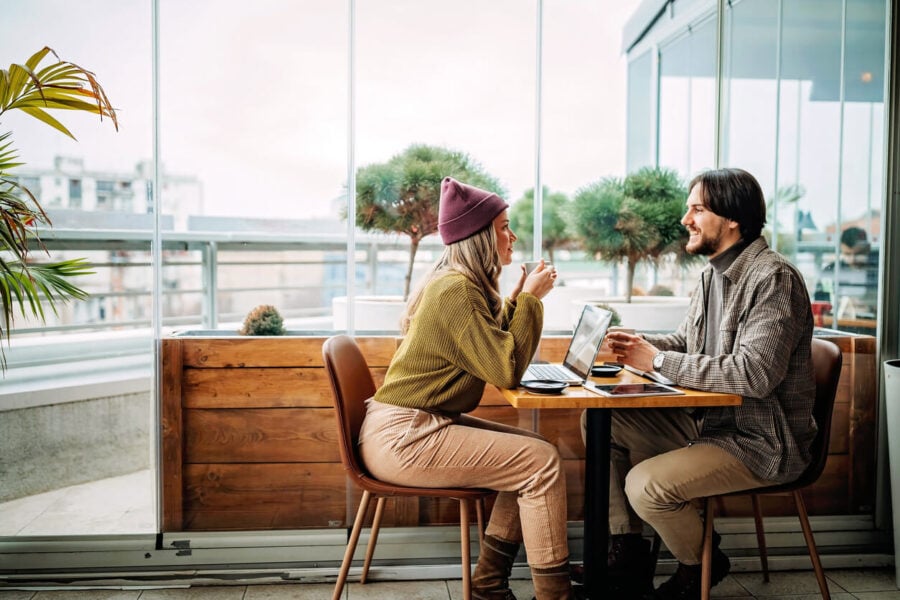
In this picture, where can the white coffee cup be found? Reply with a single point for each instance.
(628, 330)
(531, 265)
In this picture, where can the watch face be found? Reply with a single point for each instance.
(658, 361)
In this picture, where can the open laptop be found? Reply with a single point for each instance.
(586, 340)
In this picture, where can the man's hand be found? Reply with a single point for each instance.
(631, 349)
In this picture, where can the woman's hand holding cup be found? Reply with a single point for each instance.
(540, 277)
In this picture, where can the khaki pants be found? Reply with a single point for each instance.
(655, 475)
(413, 447)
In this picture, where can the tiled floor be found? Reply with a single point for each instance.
(121, 504)
(125, 508)
(850, 584)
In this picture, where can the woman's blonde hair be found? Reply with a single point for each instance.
(477, 258)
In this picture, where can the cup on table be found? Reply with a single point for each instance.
(531, 265)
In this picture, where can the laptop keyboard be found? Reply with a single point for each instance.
(547, 372)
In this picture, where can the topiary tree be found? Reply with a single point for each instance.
(263, 320)
(555, 231)
(402, 195)
(635, 219)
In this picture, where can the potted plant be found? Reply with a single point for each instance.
(35, 88)
(402, 195)
(263, 320)
(555, 232)
(636, 219)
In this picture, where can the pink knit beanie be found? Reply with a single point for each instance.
(465, 210)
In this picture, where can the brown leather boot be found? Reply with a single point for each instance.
(685, 583)
(553, 583)
(491, 578)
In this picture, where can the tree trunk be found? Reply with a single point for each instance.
(413, 248)
(629, 279)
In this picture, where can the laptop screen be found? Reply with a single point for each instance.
(586, 340)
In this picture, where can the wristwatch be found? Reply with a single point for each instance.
(658, 361)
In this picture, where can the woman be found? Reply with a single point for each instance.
(459, 335)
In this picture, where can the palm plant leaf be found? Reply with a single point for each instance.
(60, 85)
(31, 285)
(36, 90)
(8, 154)
(42, 115)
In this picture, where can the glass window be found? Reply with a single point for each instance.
(254, 155)
(433, 80)
(641, 119)
(583, 124)
(687, 96)
(855, 296)
(751, 89)
(60, 438)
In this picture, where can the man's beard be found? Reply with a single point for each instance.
(707, 245)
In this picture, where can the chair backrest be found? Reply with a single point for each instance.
(827, 360)
(351, 385)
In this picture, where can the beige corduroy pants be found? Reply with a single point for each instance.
(656, 474)
(407, 446)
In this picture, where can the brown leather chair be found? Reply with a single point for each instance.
(351, 383)
(827, 360)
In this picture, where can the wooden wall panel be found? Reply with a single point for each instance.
(171, 436)
(256, 387)
(249, 439)
(827, 497)
(260, 435)
(275, 351)
(862, 429)
(563, 429)
(839, 443)
(574, 470)
(268, 496)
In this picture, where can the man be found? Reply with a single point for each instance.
(748, 331)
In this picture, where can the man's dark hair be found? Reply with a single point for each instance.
(734, 194)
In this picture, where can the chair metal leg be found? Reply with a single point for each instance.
(373, 538)
(811, 545)
(706, 569)
(760, 537)
(351, 545)
(464, 543)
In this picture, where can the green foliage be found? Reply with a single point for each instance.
(555, 231)
(263, 320)
(660, 290)
(635, 219)
(402, 195)
(786, 199)
(35, 89)
(616, 319)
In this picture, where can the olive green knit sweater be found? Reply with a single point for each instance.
(454, 346)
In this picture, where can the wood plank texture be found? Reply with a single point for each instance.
(259, 435)
(269, 496)
(260, 387)
(249, 439)
(171, 436)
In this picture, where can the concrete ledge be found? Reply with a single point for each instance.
(56, 445)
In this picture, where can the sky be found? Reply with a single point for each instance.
(254, 96)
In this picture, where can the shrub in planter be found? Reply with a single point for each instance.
(263, 320)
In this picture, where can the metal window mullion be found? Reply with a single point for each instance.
(210, 282)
